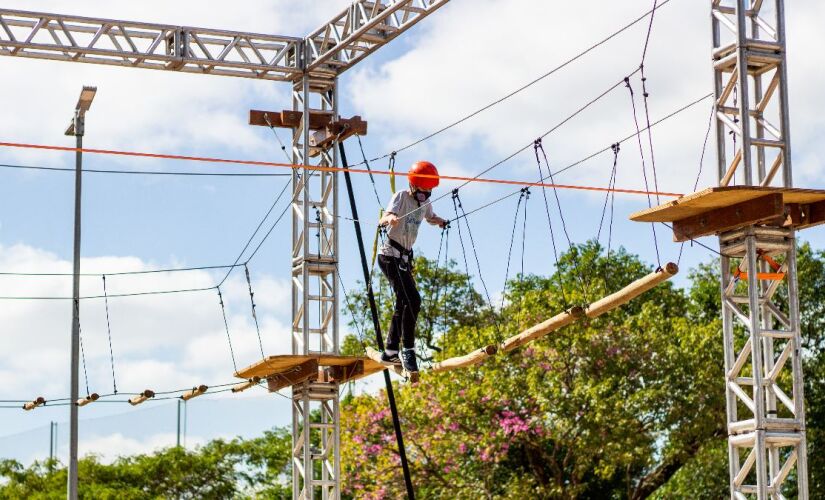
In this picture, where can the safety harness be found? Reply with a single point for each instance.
(406, 260)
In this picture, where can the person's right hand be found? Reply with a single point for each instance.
(393, 220)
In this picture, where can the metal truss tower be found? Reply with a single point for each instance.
(763, 365)
(314, 295)
(311, 65)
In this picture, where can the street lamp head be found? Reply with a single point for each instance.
(84, 102)
(87, 95)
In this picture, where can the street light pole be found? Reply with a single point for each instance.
(77, 129)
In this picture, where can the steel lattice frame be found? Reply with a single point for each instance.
(765, 404)
(314, 296)
(312, 65)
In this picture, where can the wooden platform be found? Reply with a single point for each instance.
(287, 370)
(720, 209)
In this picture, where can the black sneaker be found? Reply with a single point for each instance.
(408, 360)
(390, 358)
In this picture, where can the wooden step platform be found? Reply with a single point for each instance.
(287, 370)
(720, 209)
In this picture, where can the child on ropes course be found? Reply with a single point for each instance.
(404, 214)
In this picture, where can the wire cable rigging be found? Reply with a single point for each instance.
(109, 332)
(226, 326)
(458, 206)
(254, 312)
(527, 85)
(644, 167)
(612, 198)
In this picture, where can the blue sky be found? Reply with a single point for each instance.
(456, 61)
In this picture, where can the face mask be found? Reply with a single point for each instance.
(422, 196)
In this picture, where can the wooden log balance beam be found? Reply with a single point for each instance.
(473, 358)
(632, 291)
(563, 319)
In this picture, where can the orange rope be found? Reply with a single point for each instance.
(324, 169)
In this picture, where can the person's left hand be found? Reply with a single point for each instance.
(442, 223)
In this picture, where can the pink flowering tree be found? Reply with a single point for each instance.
(606, 408)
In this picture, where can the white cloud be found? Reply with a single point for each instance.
(474, 52)
(160, 342)
(110, 447)
(150, 111)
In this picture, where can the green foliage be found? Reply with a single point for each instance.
(254, 468)
(627, 406)
(606, 408)
(811, 271)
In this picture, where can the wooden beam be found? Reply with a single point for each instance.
(558, 321)
(31, 405)
(473, 358)
(288, 119)
(194, 392)
(91, 398)
(343, 373)
(318, 120)
(308, 370)
(140, 398)
(246, 385)
(731, 217)
(804, 215)
(632, 291)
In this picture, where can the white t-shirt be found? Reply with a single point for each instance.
(407, 209)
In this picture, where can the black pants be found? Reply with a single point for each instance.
(407, 302)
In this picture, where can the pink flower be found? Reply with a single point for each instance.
(462, 447)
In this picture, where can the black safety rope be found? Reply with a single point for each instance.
(226, 325)
(458, 206)
(611, 197)
(644, 166)
(379, 340)
(254, 313)
(524, 192)
(109, 331)
(82, 350)
(537, 146)
(523, 240)
(277, 137)
(352, 309)
(646, 94)
(701, 164)
(444, 243)
(369, 170)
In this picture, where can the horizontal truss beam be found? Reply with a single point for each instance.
(146, 45)
(361, 29)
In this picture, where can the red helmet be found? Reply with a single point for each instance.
(417, 174)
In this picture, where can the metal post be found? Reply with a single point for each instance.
(76, 128)
(75, 349)
(51, 441)
(316, 444)
(177, 441)
(766, 421)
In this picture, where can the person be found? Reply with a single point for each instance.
(406, 210)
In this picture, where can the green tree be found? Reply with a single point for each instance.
(606, 408)
(254, 468)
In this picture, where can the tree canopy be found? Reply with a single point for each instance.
(626, 406)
